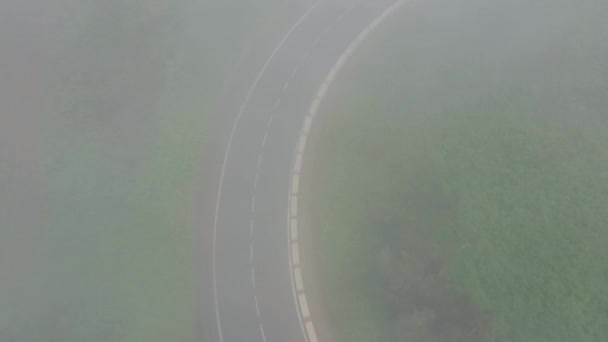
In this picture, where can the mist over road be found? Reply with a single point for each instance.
(253, 290)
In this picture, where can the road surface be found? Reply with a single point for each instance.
(253, 294)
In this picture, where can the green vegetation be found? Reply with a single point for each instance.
(463, 176)
(108, 253)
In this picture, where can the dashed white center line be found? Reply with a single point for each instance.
(293, 73)
(295, 256)
(305, 54)
(257, 305)
(255, 181)
(262, 331)
(264, 139)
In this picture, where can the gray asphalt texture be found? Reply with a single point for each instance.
(252, 208)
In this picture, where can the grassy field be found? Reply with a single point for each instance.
(99, 247)
(462, 176)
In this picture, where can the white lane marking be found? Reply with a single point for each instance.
(307, 124)
(295, 185)
(262, 332)
(264, 139)
(253, 278)
(343, 58)
(251, 252)
(294, 229)
(298, 275)
(297, 281)
(257, 305)
(269, 123)
(276, 104)
(316, 42)
(366, 31)
(259, 162)
(298, 166)
(293, 73)
(312, 334)
(225, 162)
(285, 87)
(294, 206)
(257, 310)
(295, 253)
(304, 306)
(322, 90)
(255, 181)
(332, 74)
(314, 107)
(302, 144)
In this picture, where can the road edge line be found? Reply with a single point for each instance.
(225, 162)
(306, 321)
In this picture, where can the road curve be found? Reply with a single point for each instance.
(253, 290)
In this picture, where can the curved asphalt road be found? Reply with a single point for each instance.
(253, 292)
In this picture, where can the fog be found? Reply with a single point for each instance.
(103, 106)
(461, 174)
(115, 117)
